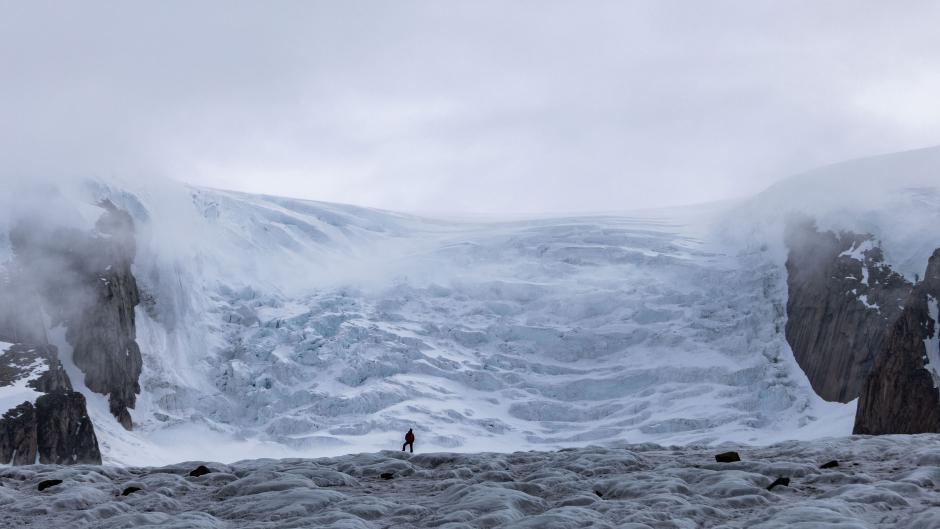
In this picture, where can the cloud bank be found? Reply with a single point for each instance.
(449, 107)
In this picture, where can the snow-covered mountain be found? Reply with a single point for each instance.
(272, 326)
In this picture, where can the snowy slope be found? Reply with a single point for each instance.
(19, 390)
(273, 327)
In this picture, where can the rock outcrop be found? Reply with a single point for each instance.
(901, 395)
(843, 300)
(64, 433)
(53, 429)
(83, 281)
(86, 283)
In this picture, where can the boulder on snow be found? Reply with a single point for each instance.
(727, 457)
(45, 484)
(830, 464)
(130, 490)
(387, 475)
(783, 482)
(201, 470)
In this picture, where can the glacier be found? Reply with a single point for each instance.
(482, 336)
(278, 327)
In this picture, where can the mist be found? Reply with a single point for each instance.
(483, 107)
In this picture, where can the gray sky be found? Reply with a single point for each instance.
(465, 106)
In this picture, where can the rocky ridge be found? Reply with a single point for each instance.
(843, 300)
(82, 281)
(901, 395)
(85, 282)
(55, 429)
(860, 330)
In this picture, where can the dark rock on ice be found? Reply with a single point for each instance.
(201, 470)
(830, 464)
(727, 457)
(783, 482)
(45, 484)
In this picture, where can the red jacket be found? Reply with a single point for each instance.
(409, 437)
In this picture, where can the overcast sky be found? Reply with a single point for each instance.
(466, 106)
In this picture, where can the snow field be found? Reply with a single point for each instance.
(884, 482)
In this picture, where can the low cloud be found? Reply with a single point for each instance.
(484, 106)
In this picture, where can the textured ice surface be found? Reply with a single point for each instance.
(883, 482)
(279, 327)
(481, 336)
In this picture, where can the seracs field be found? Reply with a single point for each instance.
(274, 327)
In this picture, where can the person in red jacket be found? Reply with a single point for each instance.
(409, 441)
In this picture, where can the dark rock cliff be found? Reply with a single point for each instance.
(86, 283)
(56, 428)
(901, 396)
(843, 300)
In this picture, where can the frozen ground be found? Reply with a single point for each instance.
(886, 482)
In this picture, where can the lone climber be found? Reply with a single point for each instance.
(409, 441)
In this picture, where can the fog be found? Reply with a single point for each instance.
(486, 107)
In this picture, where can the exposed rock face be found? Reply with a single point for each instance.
(18, 361)
(843, 300)
(18, 445)
(54, 430)
(86, 282)
(901, 395)
(64, 432)
(82, 280)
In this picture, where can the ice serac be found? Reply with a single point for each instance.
(843, 300)
(901, 395)
(55, 427)
(87, 284)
